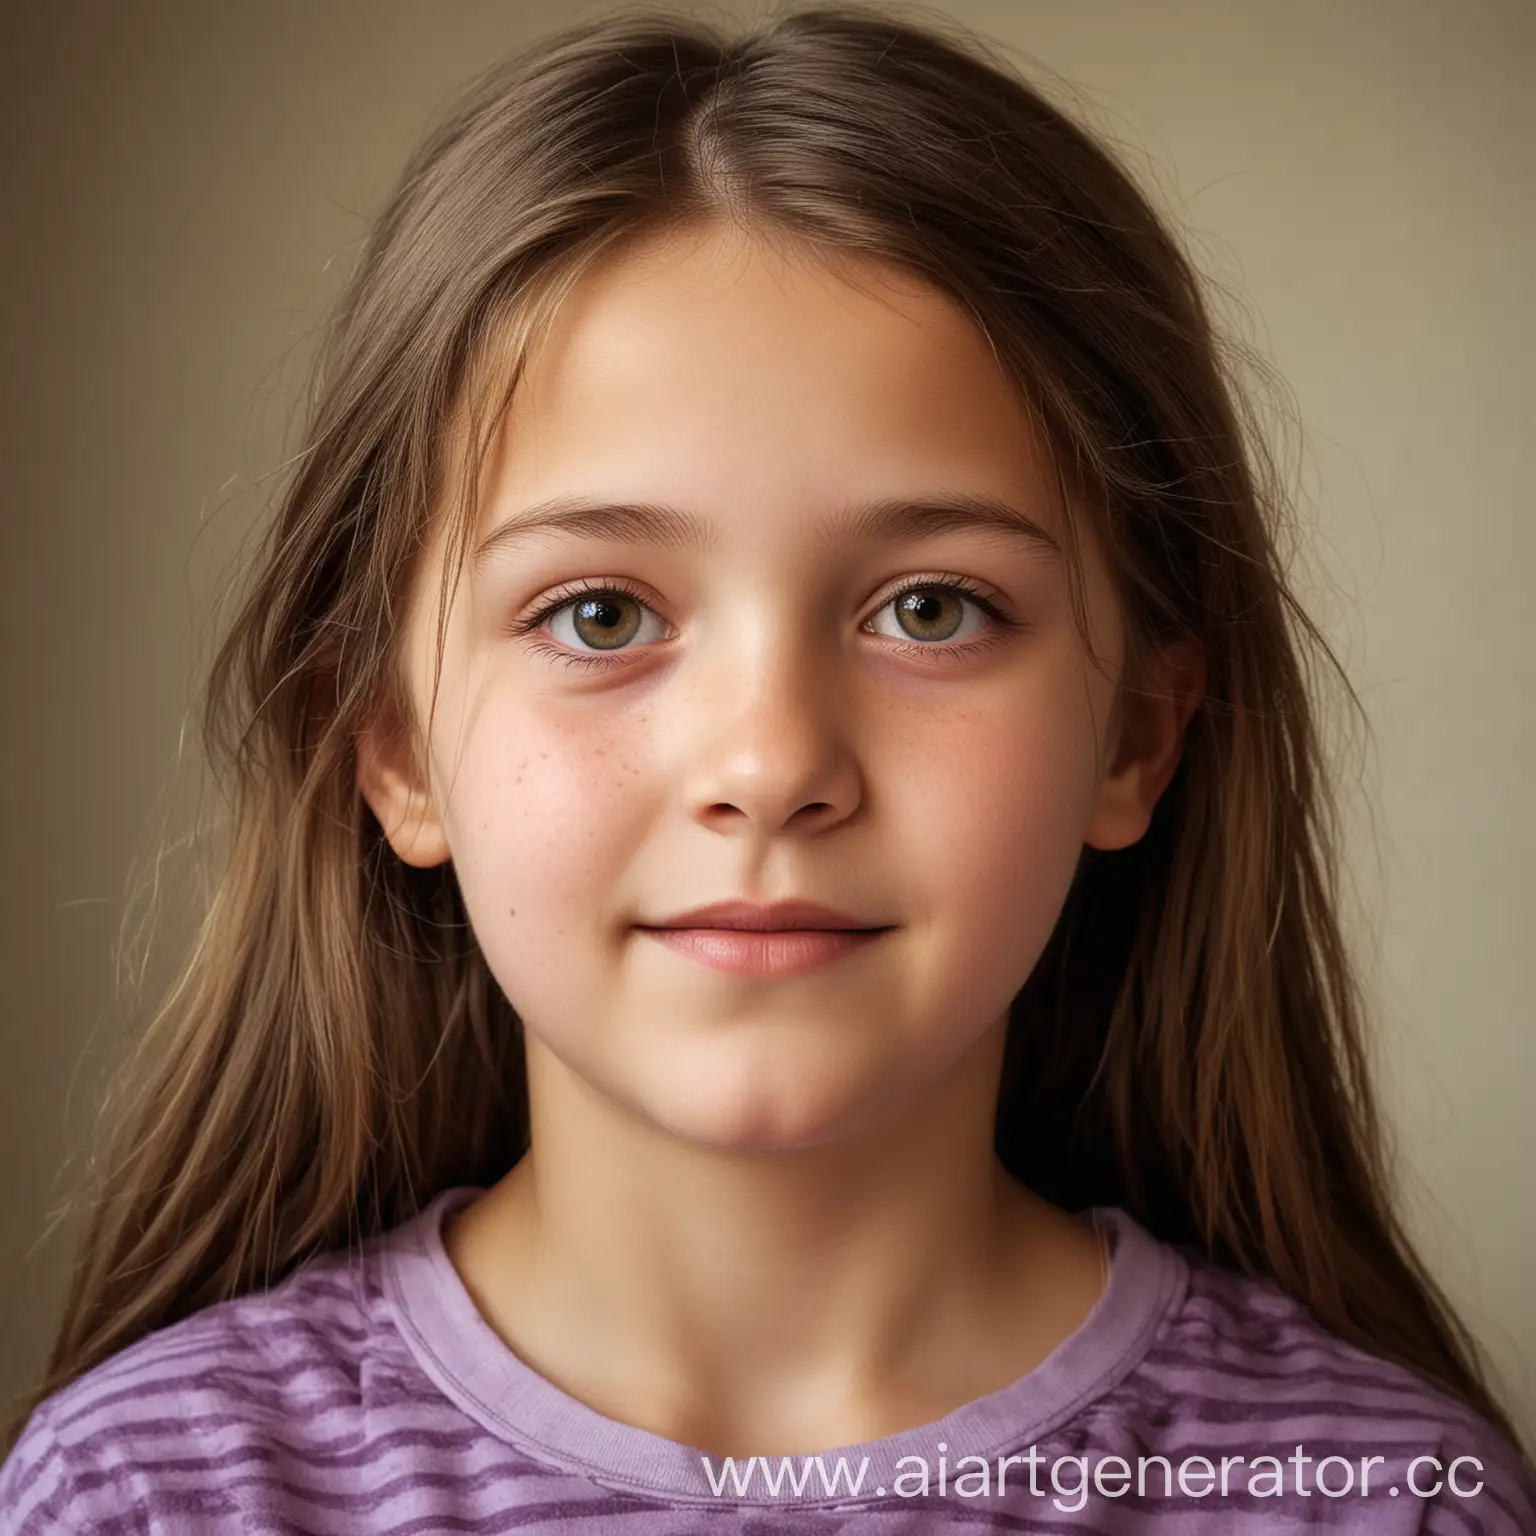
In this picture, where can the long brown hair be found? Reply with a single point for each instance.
(1191, 1044)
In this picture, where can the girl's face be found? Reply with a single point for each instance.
(826, 669)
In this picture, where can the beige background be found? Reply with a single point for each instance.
(184, 185)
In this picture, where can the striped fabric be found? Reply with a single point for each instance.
(365, 1394)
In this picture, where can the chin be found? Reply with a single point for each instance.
(758, 1110)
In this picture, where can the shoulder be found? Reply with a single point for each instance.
(233, 1389)
(1239, 1368)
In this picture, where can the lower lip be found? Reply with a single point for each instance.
(784, 952)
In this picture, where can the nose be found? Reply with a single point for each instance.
(770, 747)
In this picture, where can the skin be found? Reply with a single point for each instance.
(764, 1216)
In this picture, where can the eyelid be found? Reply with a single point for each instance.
(978, 591)
(573, 591)
(568, 592)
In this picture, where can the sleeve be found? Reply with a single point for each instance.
(36, 1486)
(1476, 1484)
(43, 1489)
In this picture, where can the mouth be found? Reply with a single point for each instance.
(766, 917)
(765, 953)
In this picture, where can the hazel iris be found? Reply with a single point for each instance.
(926, 607)
(606, 622)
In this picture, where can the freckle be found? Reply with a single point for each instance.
(511, 911)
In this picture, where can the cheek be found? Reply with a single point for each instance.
(1004, 803)
(541, 815)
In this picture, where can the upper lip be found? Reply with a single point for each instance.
(763, 917)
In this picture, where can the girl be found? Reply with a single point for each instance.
(777, 966)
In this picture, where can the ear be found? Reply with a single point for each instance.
(1153, 722)
(387, 780)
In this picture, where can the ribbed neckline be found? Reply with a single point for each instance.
(471, 1364)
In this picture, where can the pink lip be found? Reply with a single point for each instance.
(764, 917)
(744, 952)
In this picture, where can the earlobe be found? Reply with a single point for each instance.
(1152, 742)
(404, 809)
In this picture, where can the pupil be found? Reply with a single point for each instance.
(926, 610)
(603, 621)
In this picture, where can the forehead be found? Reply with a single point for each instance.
(748, 381)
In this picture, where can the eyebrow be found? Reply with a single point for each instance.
(890, 518)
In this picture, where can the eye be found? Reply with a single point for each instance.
(601, 621)
(593, 623)
(932, 612)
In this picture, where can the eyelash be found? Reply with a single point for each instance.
(563, 597)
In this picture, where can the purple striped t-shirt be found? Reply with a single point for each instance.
(364, 1393)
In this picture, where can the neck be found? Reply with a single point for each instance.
(892, 1273)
